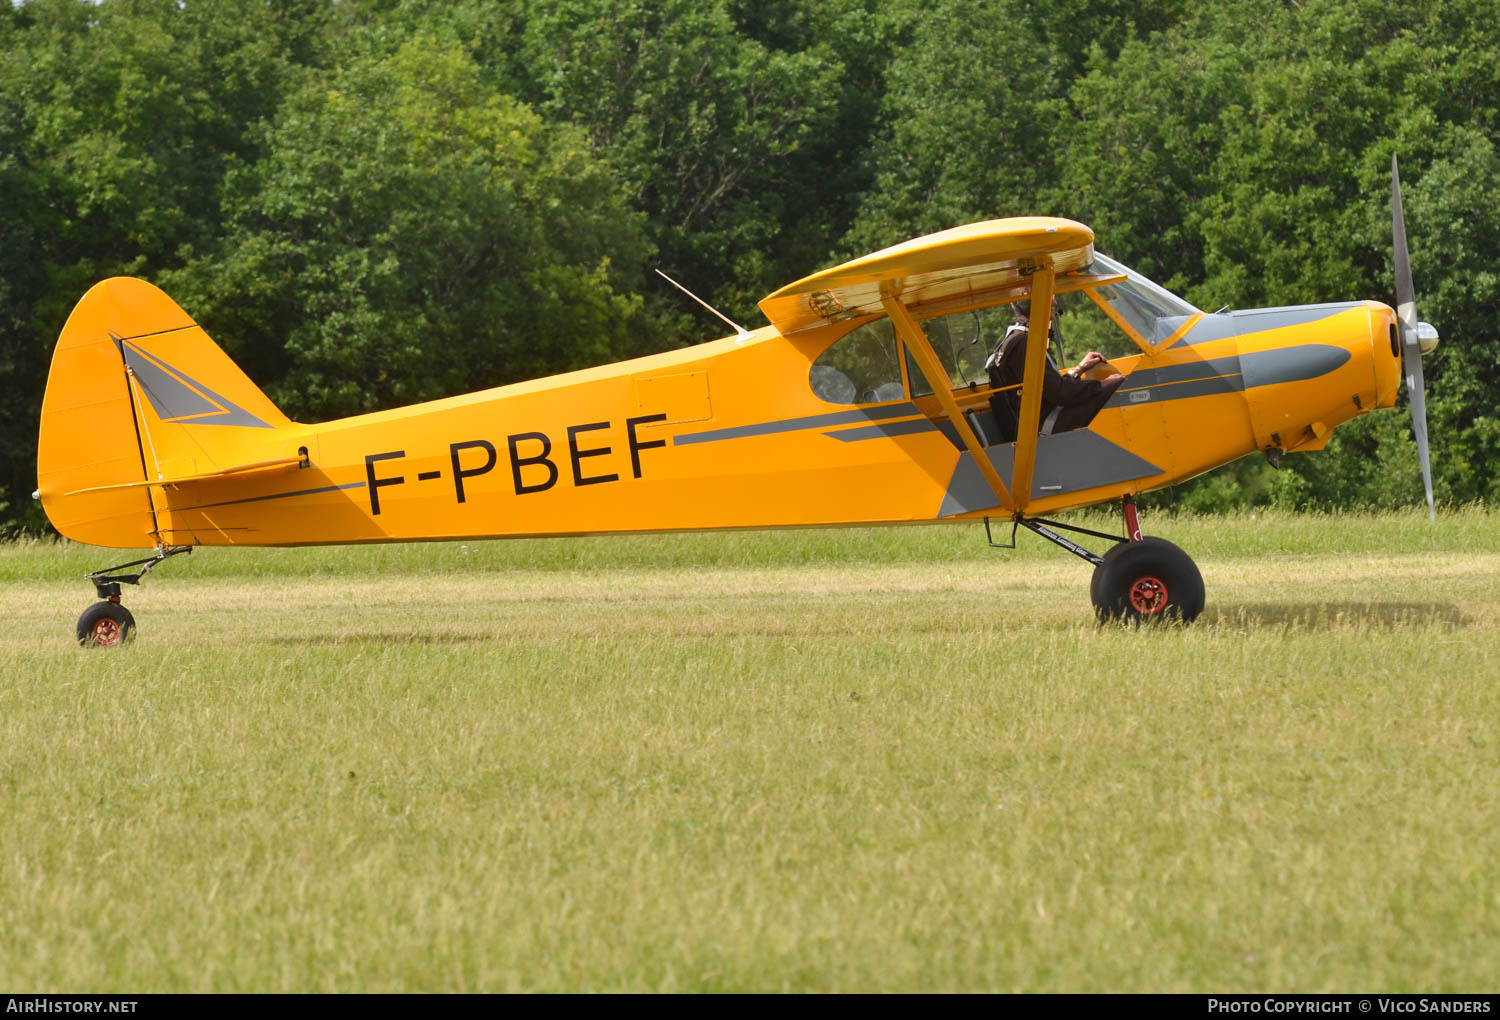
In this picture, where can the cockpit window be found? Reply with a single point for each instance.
(1083, 326)
(860, 368)
(863, 366)
(1151, 311)
(962, 341)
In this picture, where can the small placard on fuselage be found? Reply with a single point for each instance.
(682, 397)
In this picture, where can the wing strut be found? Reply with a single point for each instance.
(1031, 384)
(916, 341)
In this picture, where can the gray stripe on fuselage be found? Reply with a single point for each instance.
(1291, 364)
(766, 428)
(1258, 320)
(1067, 462)
(1127, 394)
(1187, 371)
(1224, 326)
(882, 430)
(1210, 327)
(1226, 375)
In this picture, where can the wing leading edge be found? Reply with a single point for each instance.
(952, 266)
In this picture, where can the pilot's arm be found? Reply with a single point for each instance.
(1090, 359)
(1057, 389)
(1096, 366)
(1068, 390)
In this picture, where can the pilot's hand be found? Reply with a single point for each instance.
(1090, 359)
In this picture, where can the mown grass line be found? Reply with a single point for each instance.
(871, 760)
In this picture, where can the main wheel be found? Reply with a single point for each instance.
(1147, 580)
(105, 625)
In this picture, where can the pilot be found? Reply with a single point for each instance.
(1069, 400)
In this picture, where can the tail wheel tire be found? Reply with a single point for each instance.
(105, 625)
(1150, 579)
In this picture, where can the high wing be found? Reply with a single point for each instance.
(962, 265)
(985, 262)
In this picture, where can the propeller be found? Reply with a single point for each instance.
(1415, 335)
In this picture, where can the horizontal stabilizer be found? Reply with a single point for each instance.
(242, 469)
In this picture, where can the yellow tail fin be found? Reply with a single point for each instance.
(139, 396)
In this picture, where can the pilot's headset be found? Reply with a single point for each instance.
(1023, 317)
(1022, 311)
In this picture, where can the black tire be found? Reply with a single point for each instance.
(1147, 580)
(105, 625)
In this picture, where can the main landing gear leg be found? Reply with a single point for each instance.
(1145, 578)
(1138, 579)
(107, 624)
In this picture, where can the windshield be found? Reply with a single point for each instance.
(1152, 311)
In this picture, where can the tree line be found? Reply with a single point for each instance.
(374, 202)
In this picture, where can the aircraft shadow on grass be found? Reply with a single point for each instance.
(1257, 616)
(1326, 615)
(391, 637)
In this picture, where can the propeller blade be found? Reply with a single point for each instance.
(1411, 361)
(1411, 354)
(1406, 294)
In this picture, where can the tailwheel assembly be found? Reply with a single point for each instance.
(107, 624)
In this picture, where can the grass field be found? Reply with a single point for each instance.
(824, 760)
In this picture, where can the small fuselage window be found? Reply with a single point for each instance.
(861, 367)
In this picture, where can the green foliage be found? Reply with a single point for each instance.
(410, 233)
(726, 125)
(116, 121)
(947, 126)
(976, 113)
(377, 201)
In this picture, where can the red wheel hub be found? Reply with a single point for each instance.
(1148, 596)
(106, 632)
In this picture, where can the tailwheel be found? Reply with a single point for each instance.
(1149, 579)
(105, 625)
(108, 624)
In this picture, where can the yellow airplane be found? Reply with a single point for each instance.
(867, 400)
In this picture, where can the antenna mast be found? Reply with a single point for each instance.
(740, 331)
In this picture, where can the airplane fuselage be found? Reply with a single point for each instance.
(729, 435)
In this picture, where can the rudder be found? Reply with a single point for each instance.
(133, 383)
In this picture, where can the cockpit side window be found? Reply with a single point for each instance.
(1117, 319)
(962, 341)
(1084, 326)
(861, 367)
